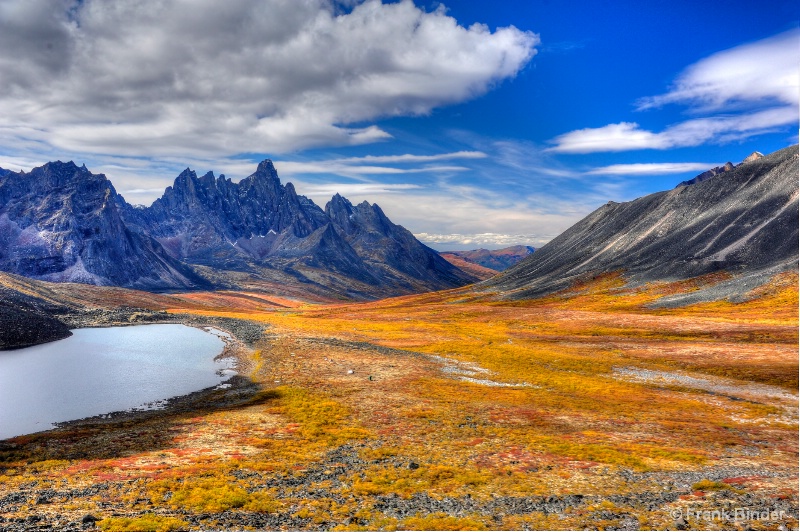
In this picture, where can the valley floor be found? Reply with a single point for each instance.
(587, 409)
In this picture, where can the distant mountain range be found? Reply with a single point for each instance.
(485, 263)
(62, 223)
(494, 259)
(741, 219)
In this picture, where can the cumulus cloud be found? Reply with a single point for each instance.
(650, 168)
(457, 242)
(208, 78)
(753, 88)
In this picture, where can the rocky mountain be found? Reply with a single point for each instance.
(727, 167)
(494, 259)
(708, 174)
(390, 250)
(62, 223)
(265, 231)
(743, 220)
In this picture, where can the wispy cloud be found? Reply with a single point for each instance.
(756, 86)
(333, 168)
(355, 167)
(355, 189)
(411, 158)
(650, 168)
(762, 71)
(627, 136)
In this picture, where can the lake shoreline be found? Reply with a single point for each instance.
(234, 389)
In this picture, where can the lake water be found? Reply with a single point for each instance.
(96, 371)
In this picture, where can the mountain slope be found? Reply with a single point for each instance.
(62, 223)
(477, 270)
(495, 259)
(390, 250)
(27, 320)
(743, 221)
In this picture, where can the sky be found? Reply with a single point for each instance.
(471, 124)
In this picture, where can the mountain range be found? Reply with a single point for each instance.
(741, 219)
(494, 259)
(60, 222)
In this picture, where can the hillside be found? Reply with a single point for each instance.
(494, 259)
(743, 222)
(481, 272)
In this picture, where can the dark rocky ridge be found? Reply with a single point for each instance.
(727, 167)
(264, 229)
(62, 223)
(744, 221)
(390, 249)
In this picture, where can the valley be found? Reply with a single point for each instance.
(451, 410)
(399, 265)
(593, 384)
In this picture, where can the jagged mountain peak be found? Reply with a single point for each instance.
(255, 227)
(188, 173)
(60, 222)
(708, 174)
(756, 155)
(266, 168)
(60, 165)
(208, 179)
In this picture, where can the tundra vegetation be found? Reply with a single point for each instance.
(451, 410)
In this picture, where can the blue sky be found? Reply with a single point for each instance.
(472, 126)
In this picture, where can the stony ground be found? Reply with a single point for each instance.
(592, 411)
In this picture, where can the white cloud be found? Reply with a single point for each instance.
(456, 242)
(291, 168)
(466, 211)
(765, 70)
(613, 137)
(753, 89)
(16, 164)
(204, 78)
(627, 136)
(651, 168)
(356, 168)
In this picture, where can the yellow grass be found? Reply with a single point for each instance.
(547, 412)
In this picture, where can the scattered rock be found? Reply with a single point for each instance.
(681, 524)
